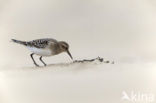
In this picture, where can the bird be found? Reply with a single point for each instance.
(45, 47)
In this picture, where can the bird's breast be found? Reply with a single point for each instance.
(41, 51)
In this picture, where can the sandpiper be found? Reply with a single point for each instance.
(45, 47)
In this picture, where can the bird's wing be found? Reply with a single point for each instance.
(41, 43)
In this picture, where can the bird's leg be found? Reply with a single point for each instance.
(42, 61)
(33, 59)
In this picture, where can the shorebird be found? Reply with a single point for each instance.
(45, 47)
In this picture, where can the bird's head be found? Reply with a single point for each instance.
(65, 48)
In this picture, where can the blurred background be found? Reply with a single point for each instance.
(122, 30)
(117, 30)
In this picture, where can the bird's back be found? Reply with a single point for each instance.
(41, 43)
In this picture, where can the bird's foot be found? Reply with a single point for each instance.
(36, 64)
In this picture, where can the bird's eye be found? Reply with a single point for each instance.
(64, 47)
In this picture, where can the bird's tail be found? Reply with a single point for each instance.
(19, 42)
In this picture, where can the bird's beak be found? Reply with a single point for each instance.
(69, 54)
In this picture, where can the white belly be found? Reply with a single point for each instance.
(41, 52)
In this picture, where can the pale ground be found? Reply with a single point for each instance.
(118, 30)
